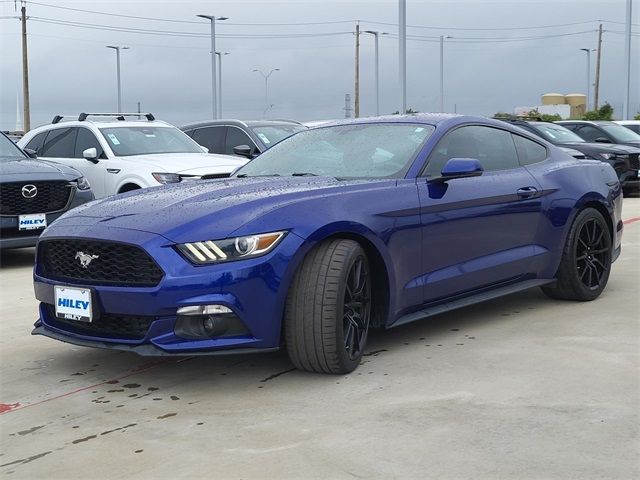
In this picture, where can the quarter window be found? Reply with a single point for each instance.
(529, 151)
(36, 142)
(494, 148)
(60, 143)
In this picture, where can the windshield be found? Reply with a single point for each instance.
(272, 134)
(126, 141)
(8, 149)
(375, 150)
(620, 133)
(557, 133)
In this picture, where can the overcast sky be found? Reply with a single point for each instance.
(72, 71)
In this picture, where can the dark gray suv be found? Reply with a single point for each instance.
(33, 193)
(235, 137)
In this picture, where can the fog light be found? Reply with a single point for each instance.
(208, 321)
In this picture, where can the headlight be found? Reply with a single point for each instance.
(216, 251)
(607, 156)
(83, 184)
(162, 177)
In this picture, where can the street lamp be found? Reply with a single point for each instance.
(442, 38)
(266, 88)
(588, 52)
(117, 49)
(213, 19)
(377, 67)
(220, 54)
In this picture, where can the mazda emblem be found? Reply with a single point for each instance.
(29, 191)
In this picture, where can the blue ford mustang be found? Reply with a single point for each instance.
(367, 223)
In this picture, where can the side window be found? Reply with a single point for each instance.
(494, 148)
(529, 151)
(36, 142)
(210, 137)
(590, 133)
(86, 139)
(60, 143)
(236, 137)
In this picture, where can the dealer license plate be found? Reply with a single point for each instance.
(32, 222)
(73, 303)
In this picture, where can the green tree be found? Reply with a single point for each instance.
(605, 112)
(637, 117)
(409, 111)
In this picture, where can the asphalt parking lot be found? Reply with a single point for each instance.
(520, 387)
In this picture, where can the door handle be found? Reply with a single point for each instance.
(527, 192)
(113, 170)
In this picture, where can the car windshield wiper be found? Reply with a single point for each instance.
(244, 175)
(304, 174)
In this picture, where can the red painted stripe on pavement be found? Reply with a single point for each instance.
(14, 407)
(631, 220)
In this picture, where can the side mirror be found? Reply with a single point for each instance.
(91, 154)
(461, 168)
(243, 151)
(603, 140)
(30, 153)
(204, 149)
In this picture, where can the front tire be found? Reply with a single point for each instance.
(328, 308)
(586, 260)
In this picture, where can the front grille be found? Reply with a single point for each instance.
(111, 263)
(130, 327)
(50, 197)
(634, 161)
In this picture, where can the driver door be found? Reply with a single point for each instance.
(478, 231)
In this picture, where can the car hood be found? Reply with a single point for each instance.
(208, 209)
(604, 147)
(18, 169)
(190, 163)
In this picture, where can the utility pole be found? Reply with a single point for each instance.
(596, 90)
(25, 71)
(377, 67)
(139, 110)
(266, 76)
(220, 54)
(402, 46)
(357, 86)
(588, 50)
(626, 114)
(442, 38)
(117, 49)
(214, 90)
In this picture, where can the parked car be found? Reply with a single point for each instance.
(119, 156)
(601, 131)
(633, 125)
(33, 193)
(235, 137)
(367, 223)
(624, 159)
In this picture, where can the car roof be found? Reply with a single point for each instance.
(587, 122)
(240, 123)
(104, 124)
(627, 122)
(426, 118)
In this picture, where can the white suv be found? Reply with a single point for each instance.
(118, 156)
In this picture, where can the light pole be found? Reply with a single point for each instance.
(402, 54)
(377, 67)
(626, 113)
(588, 52)
(266, 87)
(220, 54)
(213, 19)
(442, 38)
(117, 49)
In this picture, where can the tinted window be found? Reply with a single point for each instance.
(378, 150)
(494, 148)
(86, 139)
(236, 137)
(529, 151)
(210, 137)
(620, 133)
(36, 142)
(60, 143)
(590, 133)
(8, 149)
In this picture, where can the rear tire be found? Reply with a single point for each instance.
(328, 308)
(586, 260)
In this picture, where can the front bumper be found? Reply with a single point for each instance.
(254, 289)
(11, 237)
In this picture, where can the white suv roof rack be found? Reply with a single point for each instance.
(119, 116)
